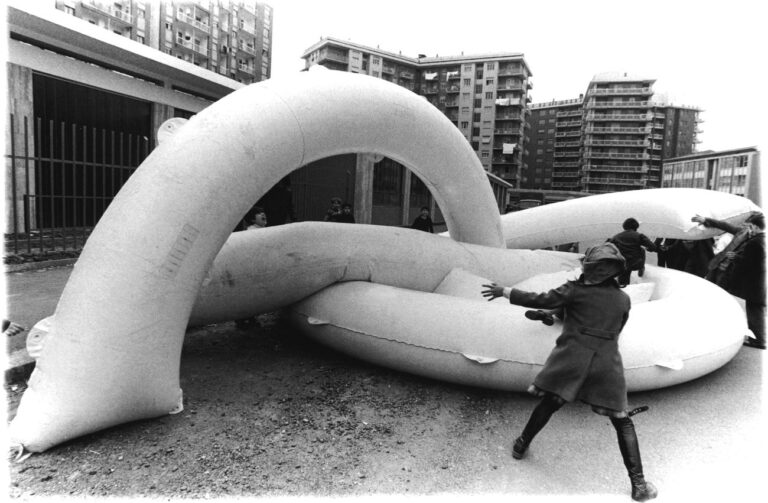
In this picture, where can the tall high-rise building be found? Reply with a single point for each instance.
(485, 96)
(612, 139)
(552, 149)
(232, 38)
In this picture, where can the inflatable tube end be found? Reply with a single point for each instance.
(21, 455)
(482, 360)
(179, 405)
(317, 321)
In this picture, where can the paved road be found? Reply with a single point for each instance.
(703, 440)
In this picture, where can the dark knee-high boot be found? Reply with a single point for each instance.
(630, 452)
(539, 417)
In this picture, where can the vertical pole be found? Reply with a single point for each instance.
(364, 188)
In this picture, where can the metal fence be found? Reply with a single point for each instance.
(60, 178)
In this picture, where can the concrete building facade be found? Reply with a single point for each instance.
(552, 154)
(485, 96)
(232, 38)
(735, 171)
(83, 106)
(611, 139)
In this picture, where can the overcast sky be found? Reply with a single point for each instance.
(707, 54)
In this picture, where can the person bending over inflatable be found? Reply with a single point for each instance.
(585, 363)
(631, 244)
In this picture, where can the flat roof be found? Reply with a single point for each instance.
(53, 29)
(425, 62)
(712, 153)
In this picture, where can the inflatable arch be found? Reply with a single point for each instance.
(113, 354)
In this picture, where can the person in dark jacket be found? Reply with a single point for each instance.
(740, 269)
(585, 363)
(631, 243)
(346, 214)
(423, 222)
(334, 212)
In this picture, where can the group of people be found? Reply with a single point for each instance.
(586, 364)
(339, 212)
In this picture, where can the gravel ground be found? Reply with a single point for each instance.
(270, 414)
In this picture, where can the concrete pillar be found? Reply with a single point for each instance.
(364, 187)
(406, 207)
(20, 106)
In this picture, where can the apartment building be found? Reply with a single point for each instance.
(552, 155)
(735, 171)
(485, 96)
(611, 139)
(232, 38)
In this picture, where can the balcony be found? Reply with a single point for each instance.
(430, 90)
(566, 134)
(565, 144)
(565, 164)
(596, 142)
(645, 91)
(200, 24)
(504, 159)
(566, 174)
(616, 155)
(249, 49)
(618, 104)
(619, 130)
(509, 87)
(120, 15)
(406, 75)
(511, 72)
(568, 124)
(566, 185)
(567, 153)
(614, 168)
(452, 89)
(198, 48)
(384, 69)
(506, 131)
(333, 56)
(507, 116)
(619, 117)
(573, 113)
(613, 181)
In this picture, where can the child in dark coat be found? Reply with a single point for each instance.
(585, 363)
(631, 244)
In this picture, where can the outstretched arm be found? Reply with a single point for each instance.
(493, 291)
(718, 224)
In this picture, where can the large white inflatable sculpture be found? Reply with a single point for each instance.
(397, 297)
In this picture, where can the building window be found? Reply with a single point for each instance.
(464, 124)
(478, 88)
(490, 66)
(467, 82)
(484, 154)
(467, 68)
(488, 82)
(375, 74)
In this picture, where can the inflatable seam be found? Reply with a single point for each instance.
(423, 347)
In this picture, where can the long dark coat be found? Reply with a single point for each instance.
(585, 363)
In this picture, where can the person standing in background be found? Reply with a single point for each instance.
(739, 269)
(424, 221)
